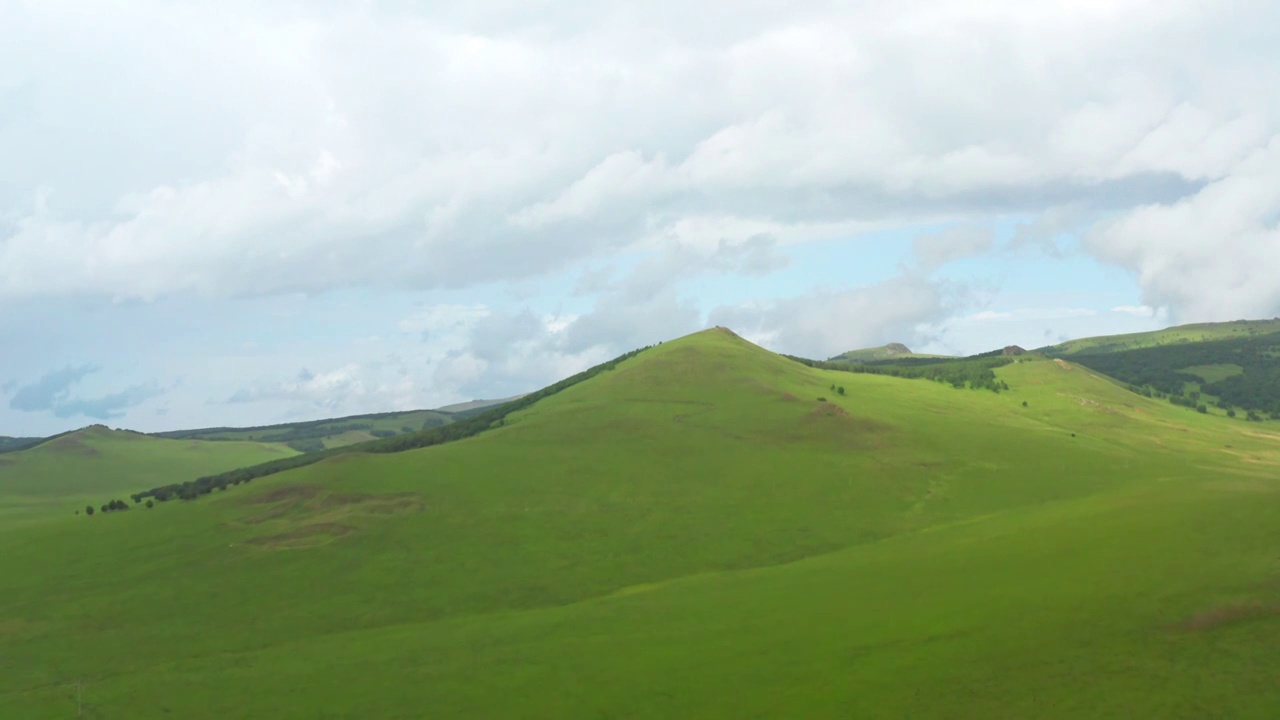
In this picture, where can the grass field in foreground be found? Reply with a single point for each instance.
(693, 535)
(97, 464)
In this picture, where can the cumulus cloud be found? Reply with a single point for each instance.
(349, 389)
(1212, 256)
(826, 323)
(303, 157)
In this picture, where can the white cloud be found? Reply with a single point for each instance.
(828, 322)
(1212, 256)
(259, 148)
(1137, 310)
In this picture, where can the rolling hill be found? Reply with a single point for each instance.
(1214, 367)
(694, 533)
(1178, 335)
(892, 351)
(96, 464)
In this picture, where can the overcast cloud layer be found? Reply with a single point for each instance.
(239, 212)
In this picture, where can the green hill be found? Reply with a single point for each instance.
(96, 464)
(1179, 335)
(693, 533)
(892, 351)
(1215, 367)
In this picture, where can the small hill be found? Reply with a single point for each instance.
(892, 351)
(96, 464)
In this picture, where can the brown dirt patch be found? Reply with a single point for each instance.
(305, 536)
(303, 511)
(1062, 363)
(1227, 615)
(789, 397)
(368, 503)
(827, 409)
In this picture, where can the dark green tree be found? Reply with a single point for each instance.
(88, 509)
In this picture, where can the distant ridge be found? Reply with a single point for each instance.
(892, 351)
(463, 407)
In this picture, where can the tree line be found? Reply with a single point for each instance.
(975, 372)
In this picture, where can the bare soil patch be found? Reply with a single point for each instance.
(366, 503)
(305, 536)
(1226, 615)
(827, 409)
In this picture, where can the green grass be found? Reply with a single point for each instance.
(1181, 334)
(692, 534)
(94, 465)
(1213, 373)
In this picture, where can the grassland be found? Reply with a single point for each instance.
(693, 534)
(97, 464)
(1179, 335)
(1215, 372)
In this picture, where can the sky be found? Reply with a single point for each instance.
(240, 213)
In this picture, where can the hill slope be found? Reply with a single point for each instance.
(1216, 366)
(96, 464)
(892, 351)
(1178, 335)
(695, 534)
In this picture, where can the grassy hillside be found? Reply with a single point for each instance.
(1182, 334)
(318, 435)
(96, 464)
(694, 534)
(1230, 366)
(892, 351)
